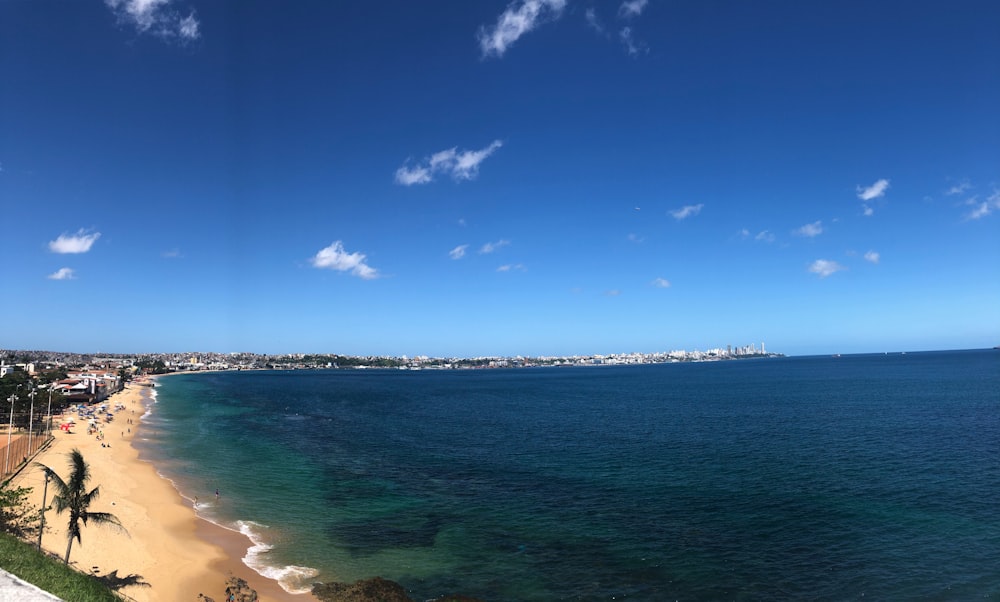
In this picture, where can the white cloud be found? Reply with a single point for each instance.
(632, 8)
(867, 211)
(336, 258)
(687, 211)
(171, 254)
(493, 246)
(874, 191)
(984, 208)
(156, 17)
(511, 266)
(628, 40)
(520, 17)
(981, 210)
(62, 274)
(591, 16)
(77, 243)
(466, 164)
(635, 238)
(660, 283)
(825, 267)
(409, 176)
(613, 292)
(188, 28)
(959, 188)
(462, 165)
(764, 236)
(872, 256)
(458, 252)
(810, 230)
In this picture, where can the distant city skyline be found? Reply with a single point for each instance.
(536, 177)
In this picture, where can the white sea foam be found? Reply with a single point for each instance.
(149, 407)
(293, 579)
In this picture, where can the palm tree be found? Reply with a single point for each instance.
(72, 495)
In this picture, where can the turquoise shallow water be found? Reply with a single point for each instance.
(804, 478)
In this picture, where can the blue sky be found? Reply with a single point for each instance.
(537, 177)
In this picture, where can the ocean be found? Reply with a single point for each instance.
(872, 476)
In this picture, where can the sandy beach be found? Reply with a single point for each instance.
(179, 554)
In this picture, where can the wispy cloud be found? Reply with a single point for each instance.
(764, 236)
(493, 246)
(520, 17)
(867, 211)
(189, 28)
(461, 165)
(660, 283)
(872, 256)
(984, 208)
(632, 46)
(825, 267)
(635, 238)
(74, 243)
(156, 17)
(511, 267)
(612, 293)
(62, 274)
(874, 191)
(959, 188)
(408, 176)
(687, 211)
(171, 254)
(810, 230)
(632, 8)
(591, 16)
(458, 252)
(335, 257)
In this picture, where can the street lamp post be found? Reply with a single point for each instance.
(48, 414)
(41, 529)
(10, 431)
(31, 419)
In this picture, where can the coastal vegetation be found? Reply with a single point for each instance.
(17, 516)
(72, 495)
(22, 559)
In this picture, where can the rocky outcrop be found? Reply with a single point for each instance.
(237, 590)
(375, 589)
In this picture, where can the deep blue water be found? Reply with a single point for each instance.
(798, 478)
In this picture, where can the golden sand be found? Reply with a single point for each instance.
(179, 554)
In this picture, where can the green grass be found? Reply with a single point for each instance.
(51, 575)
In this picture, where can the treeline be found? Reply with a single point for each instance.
(16, 388)
(345, 361)
(152, 366)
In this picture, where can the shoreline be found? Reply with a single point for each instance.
(179, 553)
